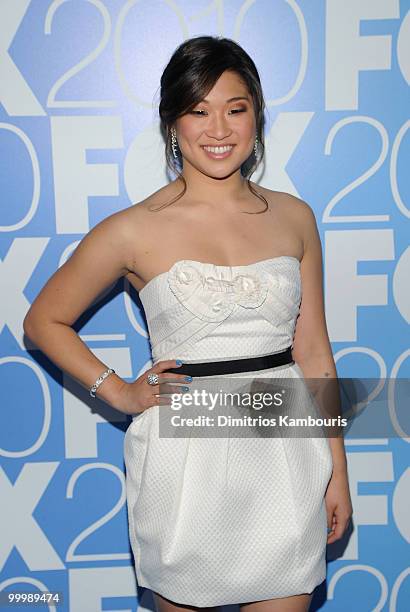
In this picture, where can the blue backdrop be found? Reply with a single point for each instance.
(80, 140)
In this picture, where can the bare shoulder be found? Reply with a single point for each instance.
(301, 213)
(137, 217)
(285, 202)
(294, 210)
(144, 210)
(161, 196)
(300, 209)
(113, 235)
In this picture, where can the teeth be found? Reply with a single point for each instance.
(218, 150)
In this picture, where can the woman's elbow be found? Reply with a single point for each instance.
(31, 325)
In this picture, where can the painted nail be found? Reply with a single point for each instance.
(188, 378)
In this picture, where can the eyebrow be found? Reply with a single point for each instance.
(234, 99)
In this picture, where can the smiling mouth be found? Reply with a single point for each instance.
(220, 152)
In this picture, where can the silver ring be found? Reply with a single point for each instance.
(152, 379)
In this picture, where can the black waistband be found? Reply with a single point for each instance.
(212, 368)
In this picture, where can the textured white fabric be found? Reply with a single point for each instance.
(217, 521)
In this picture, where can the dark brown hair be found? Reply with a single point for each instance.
(190, 74)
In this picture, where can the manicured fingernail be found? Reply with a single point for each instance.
(185, 388)
(179, 362)
(188, 378)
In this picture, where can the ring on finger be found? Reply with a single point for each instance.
(152, 379)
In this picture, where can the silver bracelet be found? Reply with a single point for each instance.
(100, 380)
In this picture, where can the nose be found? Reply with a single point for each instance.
(218, 127)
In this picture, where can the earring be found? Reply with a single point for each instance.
(255, 148)
(174, 143)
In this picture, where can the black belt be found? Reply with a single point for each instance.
(211, 368)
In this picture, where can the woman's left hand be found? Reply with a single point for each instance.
(338, 505)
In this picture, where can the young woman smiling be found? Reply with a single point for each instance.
(230, 277)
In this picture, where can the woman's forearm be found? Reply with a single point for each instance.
(64, 347)
(321, 375)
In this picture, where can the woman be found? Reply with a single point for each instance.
(225, 520)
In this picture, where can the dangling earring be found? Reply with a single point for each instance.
(255, 148)
(174, 143)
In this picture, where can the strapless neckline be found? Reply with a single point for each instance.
(222, 267)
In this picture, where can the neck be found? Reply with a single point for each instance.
(214, 192)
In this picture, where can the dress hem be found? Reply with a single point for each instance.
(310, 587)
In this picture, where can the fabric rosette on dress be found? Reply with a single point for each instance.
(210, 296)
(212, 293)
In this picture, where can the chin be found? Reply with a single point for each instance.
(222, 173)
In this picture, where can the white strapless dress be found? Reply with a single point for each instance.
(217, 521)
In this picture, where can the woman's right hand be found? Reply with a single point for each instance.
(137, 396)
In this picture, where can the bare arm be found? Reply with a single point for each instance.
(312, 351)
(311, 347)
(101, 258)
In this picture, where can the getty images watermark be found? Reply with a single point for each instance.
(240, 406)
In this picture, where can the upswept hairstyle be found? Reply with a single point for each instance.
(190, 74)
